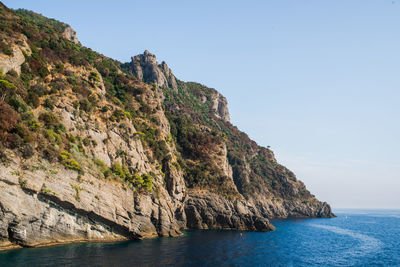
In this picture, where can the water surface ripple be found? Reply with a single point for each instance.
(354, 238)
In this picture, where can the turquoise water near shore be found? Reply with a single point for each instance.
(354, 238)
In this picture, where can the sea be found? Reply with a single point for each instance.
(353, 238)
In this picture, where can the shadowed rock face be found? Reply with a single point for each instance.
(205, 210)
(44, 202)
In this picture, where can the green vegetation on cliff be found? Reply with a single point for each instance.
(55, 67)
(203, 139)
(92, 149)
(196, 129)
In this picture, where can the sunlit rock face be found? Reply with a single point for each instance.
(70, 35)
(146, 68)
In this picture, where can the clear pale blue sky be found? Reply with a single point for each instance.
(318, 81)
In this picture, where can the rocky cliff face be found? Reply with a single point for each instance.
(92, 150)
(220, 106)
(207, 210)
(70, 35)
(44, 203)
(146, 68)
(15, 58)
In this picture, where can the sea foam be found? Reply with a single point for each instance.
(368, 244)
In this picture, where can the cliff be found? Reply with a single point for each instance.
(146, 68)
(95, 150)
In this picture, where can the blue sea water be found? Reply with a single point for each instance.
(354, 238)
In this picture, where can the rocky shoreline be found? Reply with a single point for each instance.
(93, 150)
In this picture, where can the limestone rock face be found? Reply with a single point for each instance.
(50, 209)
(43, 203)
(17, 58)
(272, 208)
(70, 35)
(146, 68)
(220, 106)
(169, 76)
(206, 210)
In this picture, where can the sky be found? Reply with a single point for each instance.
(318, 81)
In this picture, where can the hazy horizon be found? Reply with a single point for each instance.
(317, 81)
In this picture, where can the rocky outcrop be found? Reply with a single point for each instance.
(278, 208)
(70, 35)
(16, 58)
(220, 106)
(49, 205)
(169, 76)
(206, 210)
(146, 68)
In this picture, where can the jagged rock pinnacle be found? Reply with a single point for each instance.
(146, 68)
